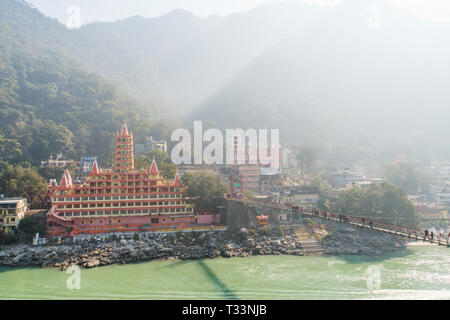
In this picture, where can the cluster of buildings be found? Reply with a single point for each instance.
(84, 166)
(349, 178)
(247, 175)
(122, 199)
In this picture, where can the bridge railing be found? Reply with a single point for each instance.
(367, 222)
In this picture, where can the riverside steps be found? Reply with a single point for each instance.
(363, 223)
(307, 241)
(311, 247)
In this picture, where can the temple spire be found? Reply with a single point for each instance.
(154, 169)
(95, 170)
(177, 182)
(63, 184)
(124, 131)
(68, 177)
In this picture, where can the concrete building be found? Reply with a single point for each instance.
(149, 145)
(305, 196)
(246, 176)
(289, 158)
(12, 210)
(347, 177)
(431, 210)
(56, 162)
(367, 169)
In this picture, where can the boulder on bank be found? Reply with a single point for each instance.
(354, 241)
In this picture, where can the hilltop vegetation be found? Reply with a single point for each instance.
(48, 102)
(384, 202)
(16, 181)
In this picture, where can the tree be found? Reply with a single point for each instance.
(159, 156)
(203, 187)
(10, 150)
(407, 177)
(322, 204)
(249, 194)
(169, 170)
(33, 224)
(51, 173)
(377, 201)
(307, 156)
(23, 182)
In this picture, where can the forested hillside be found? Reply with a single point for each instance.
(48, 102)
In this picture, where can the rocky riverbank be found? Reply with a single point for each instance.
(195, 245)
(346, 240)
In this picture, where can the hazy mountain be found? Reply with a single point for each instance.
(343, 79)
(134, 53)
(176, 61)
(361, 75)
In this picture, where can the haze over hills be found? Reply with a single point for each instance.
(337, 82)
(177, 60)
(48, 102)
(337, 77)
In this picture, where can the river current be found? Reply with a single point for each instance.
(420, 272)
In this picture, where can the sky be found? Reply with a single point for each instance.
(112, 10)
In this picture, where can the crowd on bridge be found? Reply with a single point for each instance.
(363, 221)
(430, 236)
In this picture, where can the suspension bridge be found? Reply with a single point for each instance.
(361, 222)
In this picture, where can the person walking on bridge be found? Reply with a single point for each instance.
(425, 234)
(431, 236)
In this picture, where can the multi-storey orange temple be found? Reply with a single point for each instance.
(123, 155)
(121, 200)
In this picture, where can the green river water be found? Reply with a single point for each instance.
(419, 272)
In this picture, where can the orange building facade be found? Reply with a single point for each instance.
(121, 200)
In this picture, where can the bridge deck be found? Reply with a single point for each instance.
(354, 221)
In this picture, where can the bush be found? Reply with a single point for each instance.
(9, 238)
(266, 230)
(31, 225)
(269, 231)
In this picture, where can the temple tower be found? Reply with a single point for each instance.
(123, 154)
